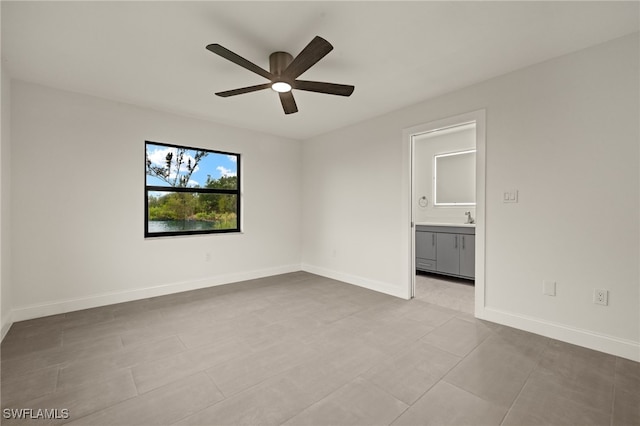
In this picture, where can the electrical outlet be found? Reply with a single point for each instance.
(207, 257)
(600, 296)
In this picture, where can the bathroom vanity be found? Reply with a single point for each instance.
(448, 249)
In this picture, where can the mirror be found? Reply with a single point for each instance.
(454, 177)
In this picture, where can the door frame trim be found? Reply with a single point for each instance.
(479, 117)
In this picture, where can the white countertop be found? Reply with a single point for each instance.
(464, 225)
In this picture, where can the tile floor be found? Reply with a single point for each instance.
(299, 349)
(448, 292)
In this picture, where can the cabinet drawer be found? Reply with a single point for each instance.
(425, 264)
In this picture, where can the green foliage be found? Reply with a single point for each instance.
(217, 208)
(224, 182)
(221, 220)
(220, 203)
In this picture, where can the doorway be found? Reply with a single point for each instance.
(452, 139)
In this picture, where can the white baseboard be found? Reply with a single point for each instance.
(76, 304)
(6, 323)
(585, 338)
(356, 280)
(608, 344)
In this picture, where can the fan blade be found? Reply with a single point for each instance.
(312, 53)
(242, 90)
(320, 87)
(288, 103)
(239, 60)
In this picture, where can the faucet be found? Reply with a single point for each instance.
(469, 218)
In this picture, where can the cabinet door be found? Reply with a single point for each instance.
(448, 256)
(467, 255)
(425, 245)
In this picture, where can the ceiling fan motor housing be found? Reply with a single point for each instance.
(278, 62)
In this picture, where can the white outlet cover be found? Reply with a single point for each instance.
(549, 288)
(601, 296)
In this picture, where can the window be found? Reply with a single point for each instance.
(190, 191)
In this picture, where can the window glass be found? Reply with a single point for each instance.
(190, 191)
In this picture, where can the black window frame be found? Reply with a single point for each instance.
(152, 188)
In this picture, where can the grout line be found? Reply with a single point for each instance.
(613, 396)
(55, 388)
(217, 387)
(441, 379)
(182, 342)
(524, 384)
(91, 413)
(133, 379)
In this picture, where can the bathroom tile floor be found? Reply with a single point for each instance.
(448, 292)
(299, 349)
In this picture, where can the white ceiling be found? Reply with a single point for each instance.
(396, 54)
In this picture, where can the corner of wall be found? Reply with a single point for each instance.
(6, 324)
(5, 192)
(374, 285)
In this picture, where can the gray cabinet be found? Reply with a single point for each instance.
(448, 250)
(448, 254)
(425, 251)
(468, 256)
(426, 245)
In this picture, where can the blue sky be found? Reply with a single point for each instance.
(213, 164)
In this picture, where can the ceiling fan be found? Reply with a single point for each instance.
(284, 71)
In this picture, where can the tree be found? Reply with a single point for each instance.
(172, 171)
(220, 203)
(224, 182)
(179, 165)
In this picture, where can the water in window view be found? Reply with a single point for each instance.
(180, 225)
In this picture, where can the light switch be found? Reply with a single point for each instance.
(510, 196)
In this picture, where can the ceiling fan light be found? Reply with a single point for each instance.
(281, 87)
